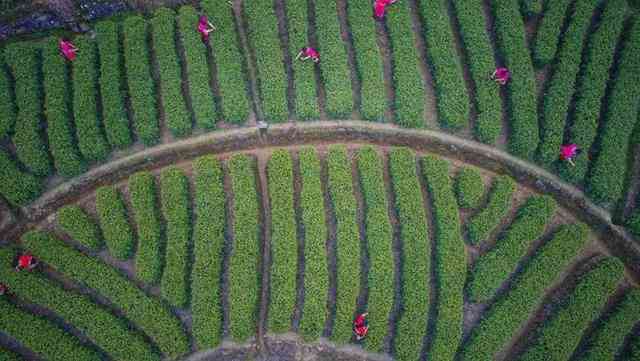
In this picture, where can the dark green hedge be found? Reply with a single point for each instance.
(547, 37)
(531, 7)
(114, 222)
(16, 186)
(80, 226)
(482, 224)
(469, 188)
(7, 104)
(634, 223)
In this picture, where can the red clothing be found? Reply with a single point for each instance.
(311, 52)
(360, 326)
(361, 331)
(203, 26)
(360, 321)
(25, 261)
(67, 49)
(379, 8)
(503, 74)
(568, 151)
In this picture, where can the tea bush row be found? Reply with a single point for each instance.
(482, 224)
(114, 222)
(7, 105)
(16, 186)
(75, 222)
(469, 188)
(546, 40)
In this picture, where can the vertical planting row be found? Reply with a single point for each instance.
(232, 77)
(7, 105)
(450, 259)
(244, 273)
(482, 224)
(333, 63)
(263, 38)
(347, 241)
(16, 186)
(416, 254)
(139, 80)
(453, 100)
(114, 222)
(196, 67)
(316, 273)
(379, 235)
(284, 243)
(80, 227)
(208, 246)
(163, 30)
(469, 188)
(548, 35)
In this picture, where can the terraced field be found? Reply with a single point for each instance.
(404, 183)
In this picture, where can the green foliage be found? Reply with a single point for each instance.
(232, 78)
(7, 105)
(561, 85)
(369, 68)
(139, 80)
(561, 334)
(633, 224)
(591, 91)
(521, 89)
(149, 314)
(531, 7)
(80, 227)
(495, 266)
(379, 236)
(548, 34)
(451, 92)
(196, 68)
(93, 146)
(284, 243)
(482, 224)
(450, 259)
(262, 33)
(303, 71)
(17, 187)
(106, 330)
(416, 254)
(481, 64)
(333, 61)
(340, 185)
(42, 336)
(503, 318)
(176, 116)
(606, 179)
(469, 188)
(612, 330)
(31, 147)
(409, 88)
(114, 115)
(244, 273)
(114, 222)
(9, 355)
(316, 274)
(175, 198)
(144, 203)
(208, 239)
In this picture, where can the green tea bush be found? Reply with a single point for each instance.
(633, 223)
(605, 342)
(547, 37)
(605, 181)
(560, 335)
(316, 271)
(451, 91)
(42, 336)
(144, 204)
(106, 330)
(521, 89)
(66, 157)
(139, 80)
(416, 254)
(369, 68)
(409, 87)
(197, 68)
(482, 224)
(469, 188)
(31, 148)
(333, 61)
(561, 85)
(495, 266)
(451, 260)
(208, 247)
(244, 272)
(163, 30)
(379, 236)
(93, 146)
(284, 242)
(531, 7)
(262, 32)
(344, 205)
(75, 222)
(114, 115)
(17, 187)
(232, 76)
(7, 105)
(481, 64)
(303, 71)
(175, 198)
(9, 355)
(114, 222)
(591, 91)
(149, 314)
(505, 317)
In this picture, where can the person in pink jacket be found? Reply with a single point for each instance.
(205, 28)
(501, 76)
(67, 49)
(380, 7)
(308, 53)
(569, 152)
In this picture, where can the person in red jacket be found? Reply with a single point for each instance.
(360, 326)
(67, 49)
(380, 7)
(308, 53)
(26, 262)
(205, 27)
(568, 152)
(501, 76)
